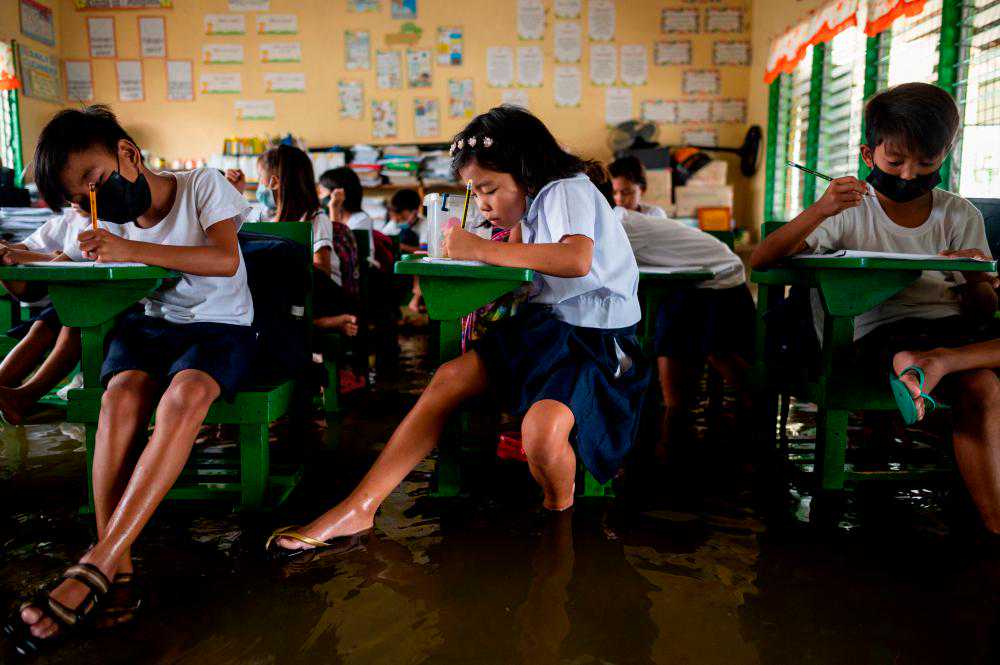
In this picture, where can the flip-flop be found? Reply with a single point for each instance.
(121, 604)
(904, 399)
(340, 543)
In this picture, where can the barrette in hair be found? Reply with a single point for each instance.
(487, 141)
(472, 141)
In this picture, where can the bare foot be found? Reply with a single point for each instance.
(341, 520)
(13, 405)
(414, 304)
(934, 367)
(345, 323)
(69, 593)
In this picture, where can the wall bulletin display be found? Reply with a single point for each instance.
(152, 36)
(701, 82)
(101, 36)
(37, 22)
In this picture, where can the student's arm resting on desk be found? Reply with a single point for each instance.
(570, 257)
(843, 193)
(219, 258)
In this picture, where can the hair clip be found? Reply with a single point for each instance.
(487, 141)
(472, 141)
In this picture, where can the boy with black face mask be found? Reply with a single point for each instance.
(910, 129)
(192, 343)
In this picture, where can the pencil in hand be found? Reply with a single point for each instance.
(465, 209)
(93, 206)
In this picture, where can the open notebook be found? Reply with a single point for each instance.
(83, 264)
(451, 262)
(862, 254)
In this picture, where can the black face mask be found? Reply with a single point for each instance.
(896, 189)
(325, 202)
(120, 201)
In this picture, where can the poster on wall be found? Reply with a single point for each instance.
(567, 88)
(706, 137)
(701, 82)
(404, 9)
(729, 52)
(153, 36)
(568, 8)
(37, 22)
(79, 81)
(515, 98)
(277, 24)
(39, 74)
(449, 46)
(672, 53)
(221, 83)
(529, 66)
(634, 65)
(249, 5)
(101, 36)
(418, 68)
(729, 110)
(83, 5)
(659, 110)
(388, 70)
(679, 21)
(426, 118)
(284, 82)
(225, 24)
(384, 123)
(222, 54)
(180, 81)
(567, 37)
(530, 19)
(719, 19)
(281, 52)
(603, 64)
(500, 66)
(363, 6)
(357, 49)
(601, 20)
(255, 109)
(351, 96)
(617, 105)
(460, 98)
(129, 80)
(694, 110)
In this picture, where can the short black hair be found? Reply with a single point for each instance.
(405, 199)
(346, 179)
(508, 139)
(919, 117)
(629, 168)
(69, 132)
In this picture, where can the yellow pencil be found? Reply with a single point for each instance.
(465, 210)
(93, 206)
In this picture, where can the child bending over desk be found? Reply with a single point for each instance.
(909, 131)
(192, 343)
(55, 240)
(628, 179)
(568, 363)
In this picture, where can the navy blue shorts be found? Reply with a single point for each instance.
(692, 323)
(162, 349)
(47, 316)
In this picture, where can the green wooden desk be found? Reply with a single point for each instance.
(653, 286)
(848, 287)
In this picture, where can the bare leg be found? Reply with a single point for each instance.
(977, 441)
(24, 357)
(455, 381)
(733, 369)
(60, 362)
(937, 363)
(677, 385)
(178, 418)
(545, 436)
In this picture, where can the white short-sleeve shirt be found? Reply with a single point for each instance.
(204, 197)
(60, 234)
(652, 211)
(954, 223)
(606, 297)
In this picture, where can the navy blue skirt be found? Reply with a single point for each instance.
(692, 323)
(47, 316)
(534, 356)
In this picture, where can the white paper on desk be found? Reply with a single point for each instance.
(864, 254)
(84, 264)
(452, 262)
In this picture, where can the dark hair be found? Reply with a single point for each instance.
(347, 180)
(629, 168)
(519, 144)
(69, 132)
(919, 117)
(405, 199)
(599, 175)
(297, 199)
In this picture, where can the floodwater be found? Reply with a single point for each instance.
(701, 566)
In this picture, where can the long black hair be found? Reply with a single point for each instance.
(347, 180)
(508, 139)
(297, 198)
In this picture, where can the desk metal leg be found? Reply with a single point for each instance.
(448, 471)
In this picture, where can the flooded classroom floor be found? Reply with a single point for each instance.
(696, 567)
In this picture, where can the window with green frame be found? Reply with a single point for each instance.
(792, 124)
(977, 89)
(10, 133)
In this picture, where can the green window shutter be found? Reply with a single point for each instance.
(976, 162)
(841, 106)
(911, 48)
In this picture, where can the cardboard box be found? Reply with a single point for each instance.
(658, 187)
(713, 173)
(689, 198)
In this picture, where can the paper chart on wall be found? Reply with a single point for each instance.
(723, 20)
(284, 82)
(679, 20)
(460, 98)
(634, 65)
(222, 54)
(450, 45)
(351, 97)
(672, 53)
(37, 22)
(601, 20)
(426, 118)
(568, 8)
(225, 24)
(180, 81)
(403, 9)
(255, 109)
(701, 82)
(79, 81)
(152, 36)
(388, 70)
(530, 19)
(384, 121)
(515, 98)
(281, 52)
(567, 89)
(659, 110)
(726, 52)
(729, 110)
(363, 6)
(277, 24)
(101, 36)
(220, 83)
(529, 66)
(693, 110)
(567, 37)
(603, 64)
(41, 74)
(418, 68)
(129, 80)
(706, 137)
(249, 5)
(500, 66)
(357, 50)
(617, 105)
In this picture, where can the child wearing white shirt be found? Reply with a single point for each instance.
(628, 180)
